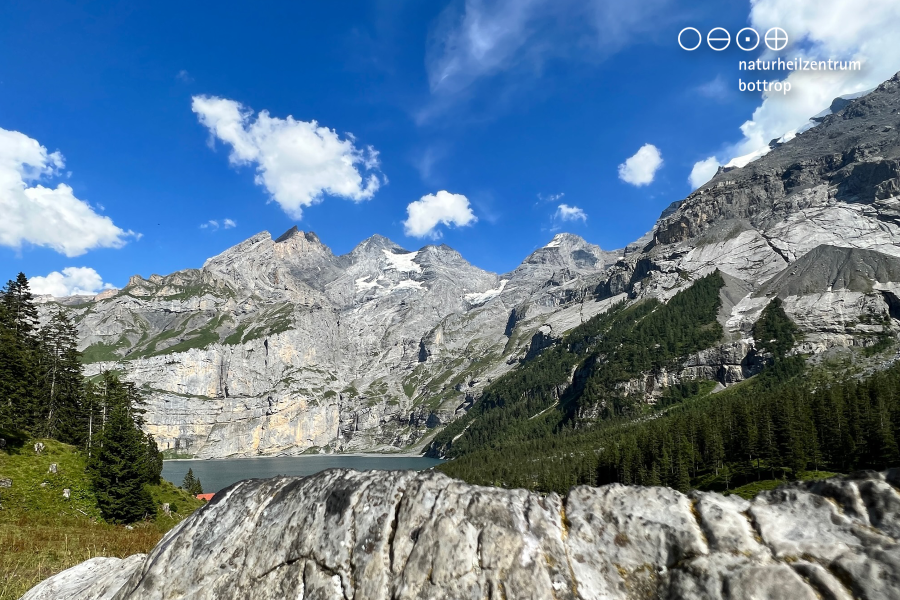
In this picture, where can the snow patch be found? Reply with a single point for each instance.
(362, 284)
(408, 284)
(482, 297)
(403, 263)
(556, 242)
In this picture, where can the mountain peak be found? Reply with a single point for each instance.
(375, 244)
(309, 236)
(567, 239)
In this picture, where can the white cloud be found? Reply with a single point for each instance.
(641, 168)
(703, 171)
(184, 77)
(425, 214)
(564, 212)
(298, 162)
(865, 30)
(45, 216)
(551, 197)
(73, 281)
(478, 39)
(214, 225)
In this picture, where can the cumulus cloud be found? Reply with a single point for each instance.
(564, 212)
(828, 29)
(298, 162)
(73, 281)
(425, 214)
(46, 216)
(641, 168)
(703, 171)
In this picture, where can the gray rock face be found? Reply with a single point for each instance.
(94, 579)
(281, 347)
(397, 535)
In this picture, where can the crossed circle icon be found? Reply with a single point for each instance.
(776, 39)
(747, 39)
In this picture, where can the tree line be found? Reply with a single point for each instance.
(789, 420)
(583, 373)
(43, 394)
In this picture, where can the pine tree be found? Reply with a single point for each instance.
(122, 457)
(191, 484)
(19, 351)
(117, 469)
(62, 393)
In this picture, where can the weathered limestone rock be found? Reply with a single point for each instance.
(53, 468)
(38, 448)
(97, 579)
(406, 535)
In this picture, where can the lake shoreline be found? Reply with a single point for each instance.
(349, 454)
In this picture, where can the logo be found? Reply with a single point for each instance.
(690, 38)
(719, 39)
(747, 39)
(776, 39)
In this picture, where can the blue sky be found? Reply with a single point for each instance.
(512, 108)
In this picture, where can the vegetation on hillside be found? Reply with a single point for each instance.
(584, 373)
(542, 429)
(42, 532)
(44, 395)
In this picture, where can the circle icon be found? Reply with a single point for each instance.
(699, 38)
(776, 39)
(747, 39)
(720, 41)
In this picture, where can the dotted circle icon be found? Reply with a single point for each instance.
(747, 39)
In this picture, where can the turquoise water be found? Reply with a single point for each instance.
(220, 473)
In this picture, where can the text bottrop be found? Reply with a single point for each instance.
(764, 86)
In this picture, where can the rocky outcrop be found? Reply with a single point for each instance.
(372, 536)
(278, 346)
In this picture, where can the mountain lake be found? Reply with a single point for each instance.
(217, 474)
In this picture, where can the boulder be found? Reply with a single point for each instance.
(402, 535)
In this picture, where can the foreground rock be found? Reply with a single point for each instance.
(380, 535)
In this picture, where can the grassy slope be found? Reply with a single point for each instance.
(41, 533)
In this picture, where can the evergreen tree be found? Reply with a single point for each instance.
(191, 484)
(62, 394)
(19, 352)
(121, 457)
(117, 469)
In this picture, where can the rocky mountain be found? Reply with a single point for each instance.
(279, 346)
(345, 534)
